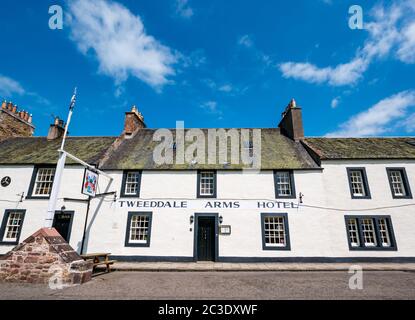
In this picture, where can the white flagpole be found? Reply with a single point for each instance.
(59, 170)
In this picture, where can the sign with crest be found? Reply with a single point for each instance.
(90, 183)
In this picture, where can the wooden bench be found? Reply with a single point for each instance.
(99, 259)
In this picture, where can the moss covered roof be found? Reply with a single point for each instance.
(38, 150)
(362, 148)
(278, 152)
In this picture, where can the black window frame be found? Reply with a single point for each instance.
(33, 180)
(124, 179)
(215, 185)
(4, 224)
(378, 247)
(404, 180)
(365, 182)
(292, 182)
(287, 246)
(127, 232)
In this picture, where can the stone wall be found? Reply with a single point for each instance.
(45, 258)
(14, 124)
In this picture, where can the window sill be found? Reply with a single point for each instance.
(401, 197)
(37, 198)
(373, 248)
(286, 248)
(129, 196)
(286, 197)
(5, 243)
(138, 245)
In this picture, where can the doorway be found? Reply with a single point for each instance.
(206, 237)
(62, 222)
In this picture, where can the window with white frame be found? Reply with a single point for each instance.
(353, 232)
(207, 184)
(384, 233)
(138, 229)
(369, 232)
(358, 183)
(399, 183)
(12, 225)
(275, 231)
(131, 183)
(43, 182)
(284, 184)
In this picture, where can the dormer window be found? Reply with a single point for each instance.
(249, 146)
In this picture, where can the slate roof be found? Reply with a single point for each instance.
(362, 148)
(278, 152)
(38, 150)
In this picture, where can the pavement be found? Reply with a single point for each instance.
(229, 267)
(220, 285)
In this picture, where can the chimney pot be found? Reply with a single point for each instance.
(56, 130)
(134, 121)
(291, 124)
(30, 118)
(4, 104)
(9, 106)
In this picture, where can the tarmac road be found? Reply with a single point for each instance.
(225, 285)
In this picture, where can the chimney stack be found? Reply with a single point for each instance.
(56, 130)
(14, 122)
(291, 124)
(134, 121)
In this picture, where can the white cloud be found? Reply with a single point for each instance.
(391, 30)
(335, 102)
(226, 88)
(388, 114)
(406, 52)
(212, 108)
(342, 74)
(9, 87)
(183, 9)
(120, 43)
(246, 41)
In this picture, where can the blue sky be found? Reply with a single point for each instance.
(216, 63)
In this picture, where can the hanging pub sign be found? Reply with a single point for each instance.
(90, 183)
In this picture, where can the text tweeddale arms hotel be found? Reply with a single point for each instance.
(314, 199)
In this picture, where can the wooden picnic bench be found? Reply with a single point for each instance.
(99, 259)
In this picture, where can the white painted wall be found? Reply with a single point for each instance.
(313, 232)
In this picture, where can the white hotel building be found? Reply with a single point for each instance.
(314, 199)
